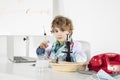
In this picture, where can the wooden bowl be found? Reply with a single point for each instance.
(68, 66)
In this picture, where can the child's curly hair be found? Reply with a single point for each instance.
(63, 23)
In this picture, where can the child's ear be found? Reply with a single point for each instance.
(70, 33)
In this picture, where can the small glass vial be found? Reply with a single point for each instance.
(42, 63)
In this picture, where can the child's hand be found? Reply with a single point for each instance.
(44, 44)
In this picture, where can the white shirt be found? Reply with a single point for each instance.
(78, 54)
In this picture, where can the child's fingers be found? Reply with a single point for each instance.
(41, 45)
(44, 44)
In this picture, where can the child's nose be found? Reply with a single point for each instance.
(60, 32)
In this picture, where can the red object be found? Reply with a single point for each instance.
(109, 62)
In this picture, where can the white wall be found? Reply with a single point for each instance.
(95, 21)
(18, 47)
(25, 17)
(3, 46)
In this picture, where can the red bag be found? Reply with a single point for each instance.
(109, 62)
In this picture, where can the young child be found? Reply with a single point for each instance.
(61, 26)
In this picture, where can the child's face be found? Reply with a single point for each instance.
(60, 34)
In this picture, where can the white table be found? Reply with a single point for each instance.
(5, 76)
(25, 71)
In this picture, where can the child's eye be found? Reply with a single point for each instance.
(62, 30)
(56, 31)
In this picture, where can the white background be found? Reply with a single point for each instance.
(95, 21)
(25, 17)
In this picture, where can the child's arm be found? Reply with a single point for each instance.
(78, 54)
(40, 51)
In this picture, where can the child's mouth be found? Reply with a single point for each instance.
(59, 37)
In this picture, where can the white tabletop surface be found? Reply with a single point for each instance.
(25, 71)
(5, 76)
